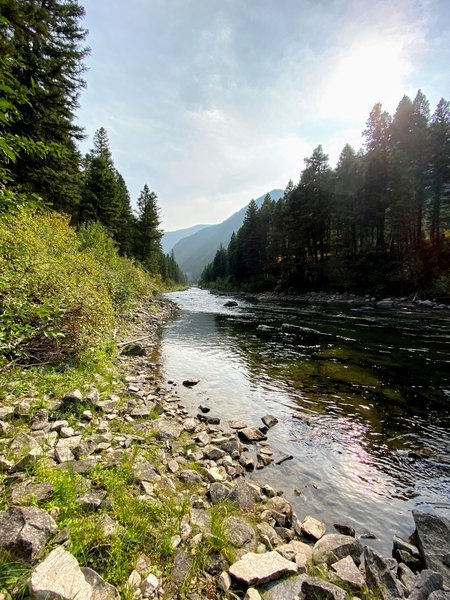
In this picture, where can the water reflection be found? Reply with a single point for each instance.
(361, 400)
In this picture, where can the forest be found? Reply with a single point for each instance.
(42, 52)
(378, 223)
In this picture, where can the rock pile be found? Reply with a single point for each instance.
(271, 553)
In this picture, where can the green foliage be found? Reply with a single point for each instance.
(125, 280)
(53, 301)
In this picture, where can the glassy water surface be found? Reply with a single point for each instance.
(362, 398)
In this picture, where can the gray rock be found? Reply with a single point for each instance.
(145, 472)
(426, 583)
(92, 500)
(251, 434)
(213, 453)
(101, 590)
(237, 424)
(269, 536)
(313, 588)
(239, 532)
(334, 546)
(439, 595)
(167, 430)
(312, 528)
(218, 492)
(406, 577)
(288, 589)
(191, 382)
(182, 565)
(433, 534)
(283, 458)
(254, 568)
(74, 395)
(5, 428)
(59, 577)
(344, 529)
(297, 552)
(269, 421)
(243, 494)
(134, 350)
(379, 576)
(81, 467)
(29, 493)
(349, 573)
(190, 476)
(252, 594)
(25, 531)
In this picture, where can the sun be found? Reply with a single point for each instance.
(369, 71)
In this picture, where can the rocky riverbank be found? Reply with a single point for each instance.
(119, 492)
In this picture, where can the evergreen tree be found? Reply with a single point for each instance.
(148, 242)
(47, 40)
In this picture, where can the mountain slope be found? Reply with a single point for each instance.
(195, 251)
(170, 238)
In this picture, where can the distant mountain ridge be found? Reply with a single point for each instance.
(195, 251)
(170, 238)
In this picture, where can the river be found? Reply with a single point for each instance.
(362, 398)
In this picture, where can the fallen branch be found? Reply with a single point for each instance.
(145, 337)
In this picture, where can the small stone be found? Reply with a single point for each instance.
(134, 580)
(243, 494)
(252, 594)
(173, 466)
(313, 588)
(149, 585)
(283, 458)
(26, 493)
(224, 581)
(108, 526)
(344, 529)
(73, 395)
(334, 546)
(239, 532)
(182, 565)
(213, 453)
(427, 582)
(24, 531)
(218, 492)
(236, 424)
(63, 455)
(66, 432)
(92, 500)
(269, 421)
(190, 476)
(191, 382)
(216, 474)
(204, 409)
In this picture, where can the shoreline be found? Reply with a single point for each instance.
(189, 460)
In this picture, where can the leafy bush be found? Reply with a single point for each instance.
(124, 278)
(53, 299)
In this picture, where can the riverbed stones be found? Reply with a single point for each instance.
(380, 576)
(269, 421)
(237, 424)
(24, 531)
(312, 528)
(427, 582)
(334, 546)
(239, 532)
(244, 494)
(349, 573)
(254, 568)
(251, 434)
(314, 587)
(433, 535)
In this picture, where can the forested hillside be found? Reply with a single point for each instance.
(379, 222)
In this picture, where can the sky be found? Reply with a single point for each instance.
(214, 102)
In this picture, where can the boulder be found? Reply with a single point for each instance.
(218, 492)
(25, 531)
(334, 546)
(24, 494)
(254, 568)
(239, 532)
(312, 528)
(314, 587)
(379, 576)
(426, 583)
(349, 573)
(244, 494)
(59, 577)
(433, 534)
(288, 589)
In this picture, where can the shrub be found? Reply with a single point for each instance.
(53, 299)
(125, 279)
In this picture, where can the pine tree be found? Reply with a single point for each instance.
(148, 243)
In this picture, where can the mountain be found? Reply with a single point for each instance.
(170, 238)
(195, 251)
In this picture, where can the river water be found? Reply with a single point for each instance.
(362, 398)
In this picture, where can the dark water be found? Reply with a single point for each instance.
(362, 398)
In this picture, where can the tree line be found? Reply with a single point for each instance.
(42, 49)
(378, 222)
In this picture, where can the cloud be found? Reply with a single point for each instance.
(211, 103)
